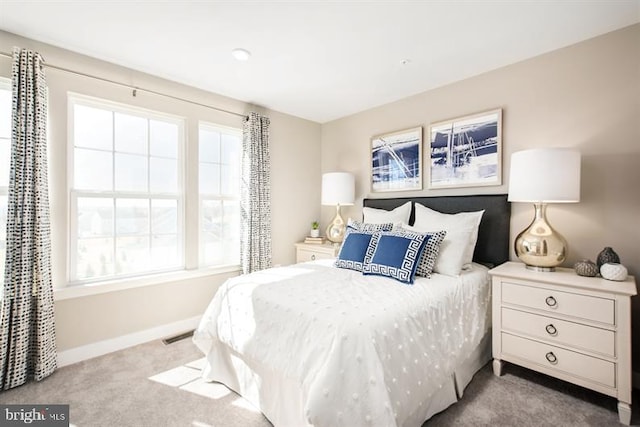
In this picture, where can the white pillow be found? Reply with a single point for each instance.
(450, 260)
(381, 216)
(463, 222)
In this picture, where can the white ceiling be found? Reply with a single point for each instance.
(319, 60)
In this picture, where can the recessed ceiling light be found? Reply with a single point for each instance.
(241, 54)
(405, 61)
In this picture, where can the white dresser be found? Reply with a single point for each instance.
(574, 328)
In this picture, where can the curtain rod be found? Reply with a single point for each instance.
(134, 88)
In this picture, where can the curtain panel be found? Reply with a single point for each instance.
(27, 331)
(255, 204)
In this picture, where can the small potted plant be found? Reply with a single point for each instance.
(315, 229)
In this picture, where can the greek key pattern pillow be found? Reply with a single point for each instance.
(394, 254)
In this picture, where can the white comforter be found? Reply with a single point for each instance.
(365, 350)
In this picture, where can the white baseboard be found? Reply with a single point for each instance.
(78, 354)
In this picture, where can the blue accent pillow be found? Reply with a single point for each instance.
(394, 254)
(353, 250)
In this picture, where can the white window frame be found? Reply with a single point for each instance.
(79, 99)
(214, 197)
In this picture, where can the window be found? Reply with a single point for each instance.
(126, 191)
(5, 153)
(219, 183)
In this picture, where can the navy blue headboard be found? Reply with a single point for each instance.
(493, 234)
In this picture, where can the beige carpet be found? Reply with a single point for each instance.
(158, 385)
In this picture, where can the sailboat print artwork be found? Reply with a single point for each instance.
(466, 152)
(396, 161)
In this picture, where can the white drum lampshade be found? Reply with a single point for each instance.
(338, 188)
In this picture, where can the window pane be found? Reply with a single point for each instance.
(164, 139)
(132, 254)
(94, 258)
(220, 232)
(5, 160)
(124, 163)
(164, 216)
(93, 127)
(231, 214)
(92, 170)
(231, 232)
(230, 180)
(95, 217)
(132, 216)
(131, 172)
(164, 175)
(4, 200)
(131, 134)
(5, 113)
(209, 178)
(164, 252)
(219, 177)
(213, 250)
(212, 217)
(230, 149)
(209, 146)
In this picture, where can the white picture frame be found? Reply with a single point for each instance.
(396, 161)
(466, 151)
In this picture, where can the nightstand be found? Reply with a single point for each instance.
(313, 251)
(574, 328)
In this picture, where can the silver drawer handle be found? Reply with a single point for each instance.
(313, 257)
(551, 301)
(551, 358)
(551, 330)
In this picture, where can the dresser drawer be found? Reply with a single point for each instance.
(571, 334)
(303, 255)
(566, 361)
(565, 303)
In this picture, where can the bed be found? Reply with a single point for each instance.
(312, 344)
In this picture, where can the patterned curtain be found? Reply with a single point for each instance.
(255, 205)
(27, 331)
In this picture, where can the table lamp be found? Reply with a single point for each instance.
(338, 188)
(541, 176)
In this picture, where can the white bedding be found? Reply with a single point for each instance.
(358, 350)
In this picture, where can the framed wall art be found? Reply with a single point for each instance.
(396, 161)
(466, 151)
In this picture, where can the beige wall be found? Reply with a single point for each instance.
(295, 188)
(585, 96)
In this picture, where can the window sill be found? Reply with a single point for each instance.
(97, 288)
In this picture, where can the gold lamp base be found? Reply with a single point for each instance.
(539, 246)
(337, 228)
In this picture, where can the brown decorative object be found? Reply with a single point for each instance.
(586, 267)
(607, 255)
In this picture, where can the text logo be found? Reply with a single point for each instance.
(34, 415)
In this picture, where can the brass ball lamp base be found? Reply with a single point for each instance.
(539, 246)
(337, 228)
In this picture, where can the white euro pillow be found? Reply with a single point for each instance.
(400, 214)
(462, 233)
